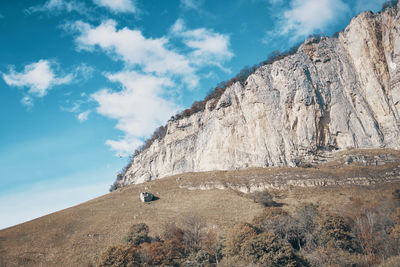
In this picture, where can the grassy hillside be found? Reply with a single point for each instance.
(77, 236)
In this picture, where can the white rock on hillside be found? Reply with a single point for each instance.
(335, 94)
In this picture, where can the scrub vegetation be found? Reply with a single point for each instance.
(365, 233)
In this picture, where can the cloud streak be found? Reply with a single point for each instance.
(191, 4)
(209, 47)
(305, 17)
(58, 6)
(118, 6)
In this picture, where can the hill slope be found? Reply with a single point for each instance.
(332, 94)
(77, 236)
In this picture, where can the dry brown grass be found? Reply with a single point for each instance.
(77, 236)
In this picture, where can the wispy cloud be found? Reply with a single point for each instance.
(83, 116)
(59, 6)
(38, 77)
(209, 47)
(27, 101)
(304, 17)
(118, 6)
(191, 4)
(198, 7)
(83, 72)
(275, 2)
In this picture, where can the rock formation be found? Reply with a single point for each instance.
(333, 94)
(146, 196)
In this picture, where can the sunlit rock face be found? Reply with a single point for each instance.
(332, 95)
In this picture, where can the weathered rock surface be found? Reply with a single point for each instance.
(146, 196)
(369, 167)
(332, 95)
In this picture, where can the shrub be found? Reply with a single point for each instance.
(199, 258)
(396, 194)
(236, 261)
(120, 256)
(138, 234)
(194, 232)
(391, 262)
(236, 237)
(395, 232)
(306, 215)
(213, 245)
(331, 256)
(269, 250)
(155, 253)
(173, 242)
(268, 214)
(335, 231)
(264, 198)
(114, 186)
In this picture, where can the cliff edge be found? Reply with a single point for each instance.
(333, 94)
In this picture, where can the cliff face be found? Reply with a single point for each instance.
(333, 94)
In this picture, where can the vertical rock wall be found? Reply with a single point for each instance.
(333, 94)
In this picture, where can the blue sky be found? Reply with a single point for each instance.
(82, 83)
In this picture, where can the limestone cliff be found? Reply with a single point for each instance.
(333, 94)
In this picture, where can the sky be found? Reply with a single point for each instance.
(84, 82)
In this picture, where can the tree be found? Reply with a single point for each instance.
(213, 245)
(269, 250)
(138, 234)
(335, 231)
(120, 256)
(194, 232)
(236, 237)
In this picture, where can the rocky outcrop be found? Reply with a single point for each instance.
(146, 196)
(352, 168)
(332, 95)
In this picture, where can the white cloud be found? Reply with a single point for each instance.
(191, 4)
(138, 108)
(305, 17)
(83, 116)
(209, 47)
(118, 6)
(153, 67)
(57, 6)
(124, 147)
(39, 77)
(152, 55)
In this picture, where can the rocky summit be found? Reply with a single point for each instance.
(333, 94)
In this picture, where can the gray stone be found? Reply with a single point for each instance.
(146, 196)
(332, 95)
